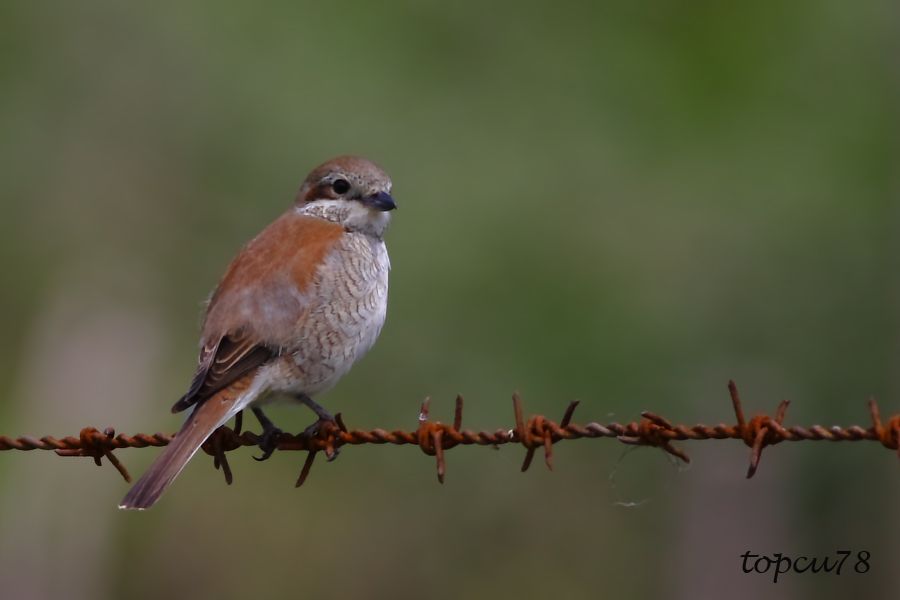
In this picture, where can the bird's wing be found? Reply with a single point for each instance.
(221, 363)
(254, 311)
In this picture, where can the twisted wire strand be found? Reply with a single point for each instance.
(535, 432)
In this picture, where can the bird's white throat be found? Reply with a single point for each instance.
(350, 214)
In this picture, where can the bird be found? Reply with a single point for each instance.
(296, 308)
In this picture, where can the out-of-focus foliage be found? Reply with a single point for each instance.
(624, 203)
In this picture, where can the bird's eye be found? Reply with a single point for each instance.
(340, 186)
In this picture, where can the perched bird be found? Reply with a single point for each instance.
(301, 302)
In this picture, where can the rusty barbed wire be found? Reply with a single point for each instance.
(434, 438)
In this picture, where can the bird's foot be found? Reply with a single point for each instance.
(268, 441)
(324, 425)
(321, 423)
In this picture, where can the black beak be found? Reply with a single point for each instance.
(380, 201)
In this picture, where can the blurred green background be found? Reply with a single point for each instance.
(622, 203)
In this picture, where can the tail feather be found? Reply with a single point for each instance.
(205, 419)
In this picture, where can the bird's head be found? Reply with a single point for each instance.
(349, 190)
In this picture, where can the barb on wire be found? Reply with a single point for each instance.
(434, 438)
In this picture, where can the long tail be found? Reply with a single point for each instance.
(205, 419)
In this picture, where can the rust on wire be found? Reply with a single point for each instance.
(94, 444)
(434, 438)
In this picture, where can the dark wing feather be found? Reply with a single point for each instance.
(222, 363)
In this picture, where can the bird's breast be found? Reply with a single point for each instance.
(346, 313)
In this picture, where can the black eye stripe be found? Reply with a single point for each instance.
(340, 186)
